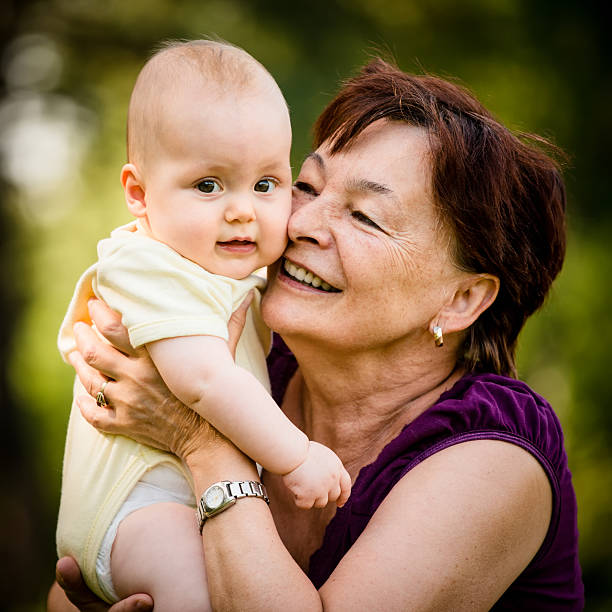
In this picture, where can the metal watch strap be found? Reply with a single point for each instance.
(236, 489)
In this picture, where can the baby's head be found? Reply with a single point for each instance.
(208, 167)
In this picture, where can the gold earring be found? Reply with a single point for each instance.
(437, 334)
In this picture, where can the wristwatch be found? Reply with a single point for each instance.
(221, 495)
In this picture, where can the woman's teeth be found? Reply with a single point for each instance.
(306, 277)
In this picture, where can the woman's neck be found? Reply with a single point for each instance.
(356, 402)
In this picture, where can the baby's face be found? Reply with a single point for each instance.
(218, 190)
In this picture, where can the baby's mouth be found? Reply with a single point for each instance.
(237, 245)
(306, 277)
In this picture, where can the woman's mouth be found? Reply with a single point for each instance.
(306, 277)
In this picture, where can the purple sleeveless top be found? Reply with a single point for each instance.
(479, 406)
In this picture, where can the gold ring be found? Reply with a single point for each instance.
(100, 399)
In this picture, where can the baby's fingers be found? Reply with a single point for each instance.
(334, 492)
(304, 503)
(345, 488)
(321, 501)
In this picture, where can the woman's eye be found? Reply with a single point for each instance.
(364, 219)
(265, 185)
(305, 187)
(208, 186)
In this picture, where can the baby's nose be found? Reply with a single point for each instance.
(240, 209)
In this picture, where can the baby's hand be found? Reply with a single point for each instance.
(319, 479)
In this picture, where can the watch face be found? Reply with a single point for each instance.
(214, 497)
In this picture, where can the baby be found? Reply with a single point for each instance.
(209, 183)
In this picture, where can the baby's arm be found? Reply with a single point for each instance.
(200, 371)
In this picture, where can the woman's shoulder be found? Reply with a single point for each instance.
(478, 407)
(491, 402)
(483, 405)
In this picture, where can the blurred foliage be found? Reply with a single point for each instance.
(67, 71)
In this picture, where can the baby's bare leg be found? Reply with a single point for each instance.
(158, 551)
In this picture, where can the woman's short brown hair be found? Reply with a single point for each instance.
(500, 194)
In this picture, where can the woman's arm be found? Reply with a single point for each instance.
(453, 534)
(247, 565)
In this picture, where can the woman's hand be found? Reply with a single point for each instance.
(140, 405)
(74, 588)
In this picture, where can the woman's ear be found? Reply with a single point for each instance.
(134, 190)
(471, 299)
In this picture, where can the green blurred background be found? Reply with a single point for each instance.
(66, 73)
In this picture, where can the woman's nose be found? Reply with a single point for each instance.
(240, 209)
(309, 221)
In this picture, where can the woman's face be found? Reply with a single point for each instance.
(368, 261)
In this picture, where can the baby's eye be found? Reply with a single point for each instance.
(265, 185)
(209, 186)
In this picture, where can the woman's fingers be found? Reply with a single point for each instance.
(236, 323)
(90, 378)
(69, 577)
(141, 602)
(99, 354)
(100, 417)
(108, 323)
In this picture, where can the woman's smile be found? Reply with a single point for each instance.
(305, 277)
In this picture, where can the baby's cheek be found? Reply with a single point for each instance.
(278, 237)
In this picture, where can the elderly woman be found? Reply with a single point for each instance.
(436, 233)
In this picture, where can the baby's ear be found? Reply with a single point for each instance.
(134, 190)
